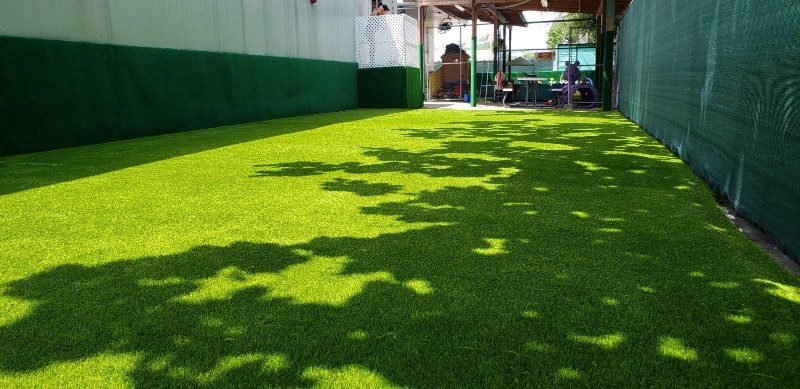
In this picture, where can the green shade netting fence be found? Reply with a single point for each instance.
(57, 94)
(389, 87)
(718, 82)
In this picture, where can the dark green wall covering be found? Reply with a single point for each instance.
(56, 94)
(394, 87)
(718, 82)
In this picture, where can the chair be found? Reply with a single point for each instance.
(507, 93)
(555, 89)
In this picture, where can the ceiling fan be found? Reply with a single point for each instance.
(445, 25)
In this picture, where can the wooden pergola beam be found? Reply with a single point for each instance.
(571, 6)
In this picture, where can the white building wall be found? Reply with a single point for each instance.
(285, 28)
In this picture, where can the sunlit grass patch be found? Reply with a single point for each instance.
(610, 301)
(787, 292)
(530, 314)
(783, 338)
(647, 289)
(318, 281)
(352, 376)
(257, 361)
(542, 146)
(419, 286)
(101, 370)
(675, 348)
(495, 247)
(14, 309)
(539, 347)
(568, 373)
(590, 166)
(609, 341)
(581, 214)
(656, 157)
(724, 285)
(744, 355)
(741, 319)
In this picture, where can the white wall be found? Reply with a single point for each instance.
(286, 28)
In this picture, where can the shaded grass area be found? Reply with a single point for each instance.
(385, 248)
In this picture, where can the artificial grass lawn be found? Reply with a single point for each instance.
(384, 248)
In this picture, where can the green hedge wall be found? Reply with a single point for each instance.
(58, 94)
(393, 87)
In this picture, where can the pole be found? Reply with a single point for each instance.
(421, 23)
(460, 62)
(569, 45)
(508, 74)
(494, 45)
(598, 74)
(608, 54)
(505, 42)
(473, 64)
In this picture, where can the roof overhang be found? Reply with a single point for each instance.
(510, 11)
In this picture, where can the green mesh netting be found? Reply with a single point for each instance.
(56, 94)
(390, 87)
(718, 82)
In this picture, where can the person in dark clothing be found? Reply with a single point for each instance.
(571, 74)
(382, 9)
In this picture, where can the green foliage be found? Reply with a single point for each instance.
(380, 248)
(560, 31)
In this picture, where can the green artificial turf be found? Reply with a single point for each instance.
(384, 248)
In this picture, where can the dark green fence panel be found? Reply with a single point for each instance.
(56, 94)
(392, 87)
(719, 83)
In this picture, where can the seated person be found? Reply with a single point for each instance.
(499, 84)
(499, 79)
(569, 77)
(571, 74)
(382, 9)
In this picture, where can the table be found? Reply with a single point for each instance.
(528, 81)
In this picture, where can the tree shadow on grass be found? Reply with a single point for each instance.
(472, 302)
(550, 273)
(431, 163)
(22, 172)
(360, 187)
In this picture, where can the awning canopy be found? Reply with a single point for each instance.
(510, 11)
